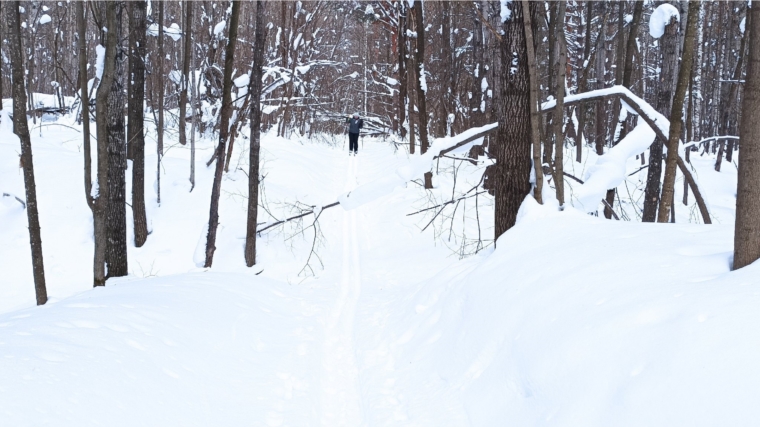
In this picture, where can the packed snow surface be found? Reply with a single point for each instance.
(661, 17)
(572, 320)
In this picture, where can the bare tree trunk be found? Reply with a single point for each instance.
(410, 78)
(160, 77)
(259, 43)
(512, 148)
(116, 211)
(534, 108)
(185, 70)
(21, 129)
(135, 124)
(669, 65)
(402, 93)
(421, 88)
(747, 228)
(559, 118)
(676, 115)
(729, 107)
(224, 129)
(100, 220)
(85, 100)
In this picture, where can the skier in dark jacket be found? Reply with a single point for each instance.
(355, 124)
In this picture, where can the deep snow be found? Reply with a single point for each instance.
(572, 320)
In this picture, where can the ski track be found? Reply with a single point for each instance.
(340, 401)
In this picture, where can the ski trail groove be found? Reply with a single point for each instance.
(341, 405)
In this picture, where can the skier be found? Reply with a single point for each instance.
(354, 126)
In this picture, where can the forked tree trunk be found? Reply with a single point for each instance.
(747, 228)
(224, 126)
(511, 173)
(676, 115)
(259, 43)
(669, 65)
(116, 211)
(135, 129)
(21, 129)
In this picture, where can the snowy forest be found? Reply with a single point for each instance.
(550, 214)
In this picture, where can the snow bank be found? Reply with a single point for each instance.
(562, 326)
(661, 18)
(186, 350)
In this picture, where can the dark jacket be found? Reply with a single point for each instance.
(354, 125)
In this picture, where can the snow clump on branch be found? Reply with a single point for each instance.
(661, 17)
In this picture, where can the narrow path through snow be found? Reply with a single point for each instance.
(340, 402)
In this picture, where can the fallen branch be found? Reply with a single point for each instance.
(447, 203)
(295, 217)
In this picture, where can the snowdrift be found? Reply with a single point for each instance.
(570, 321)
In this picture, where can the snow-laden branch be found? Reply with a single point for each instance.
(656, 122)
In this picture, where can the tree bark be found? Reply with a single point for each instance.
(669, 65)
(216, 190)
(511, 173)
(534, 96)
(676, 115)
(116, 211)
(402, 93)
(135, 129)
(185, 70)
(421, 89)
(747, 227)
(559, 118)
(160, 78)
(85, 100)
(259, 43)
(100, 220)
(21, 129)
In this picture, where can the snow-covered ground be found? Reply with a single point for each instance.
(571, 320)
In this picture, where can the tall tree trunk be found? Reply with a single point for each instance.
(1, 56)
(534, 107)
(728, 107)
(224, 129)
(21, 129)
(559, 118)
(600, 73)
(185, 70)
(259, 43)
(135, 129)
(85, 100)
(676, 115)
(421, 88)
(100, 220)
(512, 148)
(160, 78)
(116, 251)
(402, 74)
(668, 67)
(747, 227)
